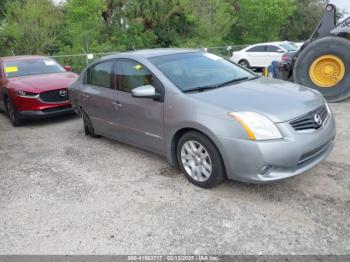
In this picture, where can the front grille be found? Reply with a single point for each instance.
(308, 121)
(313, 153)
(55, 96)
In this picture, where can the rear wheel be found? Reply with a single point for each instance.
(324, 65)
(200, 160)
(244, 63)
(88, 127)
(12, 112)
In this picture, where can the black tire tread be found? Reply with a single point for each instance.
(328, 45)
(16, 122)
(88, 127)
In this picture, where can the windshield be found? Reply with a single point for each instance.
(289, 47)
(191, 71)
(35, 66)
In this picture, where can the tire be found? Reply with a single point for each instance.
(88, 127)
(334, 46)
(12, 112)
(244, 63)
(194, 170)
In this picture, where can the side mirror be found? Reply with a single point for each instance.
(146, 91)
(68, 68)
(280, 51)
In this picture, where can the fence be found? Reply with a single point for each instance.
(79, 61)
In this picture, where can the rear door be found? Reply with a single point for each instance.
(98, 97)
(275, 53)
(257, 56)
(140, 119)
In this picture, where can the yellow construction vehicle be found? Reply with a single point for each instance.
(323, 62)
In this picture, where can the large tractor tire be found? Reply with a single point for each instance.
(324, 65)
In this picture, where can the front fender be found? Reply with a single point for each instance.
(174, 134)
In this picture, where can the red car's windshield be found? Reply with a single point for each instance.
(31, 67)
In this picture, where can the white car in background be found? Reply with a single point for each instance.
(262, 55)
(299, 44)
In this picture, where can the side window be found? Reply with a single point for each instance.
(130, 74)
(260, 48)
(272, 48)
(100, 74)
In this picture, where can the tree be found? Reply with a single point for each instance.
(30, 27)
(303, 21)
(99, 26)
(83, 22)
(165, 18)
(213, 20)
(260, 21)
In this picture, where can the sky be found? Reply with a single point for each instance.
(342, 4)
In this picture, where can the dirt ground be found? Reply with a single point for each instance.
(64, 193)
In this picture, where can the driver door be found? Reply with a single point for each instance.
(140, 120)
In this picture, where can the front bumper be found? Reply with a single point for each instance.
(35, 108)
(267, 161)
(46, 113)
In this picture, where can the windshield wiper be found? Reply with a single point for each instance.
(232, 81)
(200, 88)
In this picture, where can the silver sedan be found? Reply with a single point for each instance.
(212, 118)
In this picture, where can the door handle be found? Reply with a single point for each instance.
(117, 105)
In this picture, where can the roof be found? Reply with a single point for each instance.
(272, 43)
(25, 57)
(148, 53)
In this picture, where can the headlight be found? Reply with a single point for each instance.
(26, 94)
(258, 127)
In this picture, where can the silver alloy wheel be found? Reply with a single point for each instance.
(196, 161)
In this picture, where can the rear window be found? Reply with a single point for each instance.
(288, 47)
(100, 74)
(260, 48)
(273, 48)
(31, 67)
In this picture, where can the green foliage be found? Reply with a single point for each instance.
(83, 22)
(213, 20)
(266, 17)
(103, 26)
(306, 15)
(30, 26)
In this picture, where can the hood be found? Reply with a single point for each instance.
(278, 100)
(42, 83)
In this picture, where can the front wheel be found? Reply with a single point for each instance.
(12, 112)
(244, 63)
(200, 160)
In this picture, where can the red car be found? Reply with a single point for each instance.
(33, 87)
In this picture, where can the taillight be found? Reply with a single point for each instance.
(285, 58)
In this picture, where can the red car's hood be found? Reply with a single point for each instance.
(45, 82)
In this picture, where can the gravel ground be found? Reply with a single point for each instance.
(64, 193)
